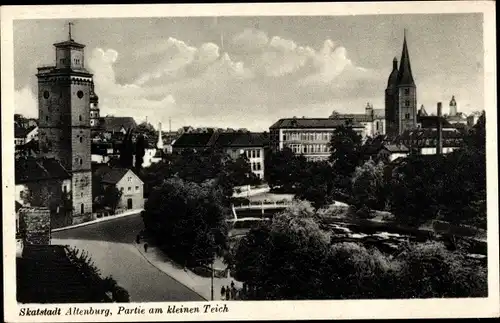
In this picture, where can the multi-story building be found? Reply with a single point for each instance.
(64, 91)
(308, 136)
(401, 96)
(233, 143)
(373, 120)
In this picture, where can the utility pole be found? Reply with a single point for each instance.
(212, 281)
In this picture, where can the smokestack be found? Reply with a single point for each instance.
(439, 148)
(169, 124)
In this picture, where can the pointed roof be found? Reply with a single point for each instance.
(405, 76)
(393, 77)
(422, 111)
(453, 102)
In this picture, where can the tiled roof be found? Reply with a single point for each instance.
(114, 175)
(361, 117)
(243, 139)
(431, 121)
(396, 148)
(114, 124)
(31, 169)
(326, 123)
(46, 275)
(20, 132)
(193, 140)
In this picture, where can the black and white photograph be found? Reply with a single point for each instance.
(189, 162)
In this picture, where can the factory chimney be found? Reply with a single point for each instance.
(439, 148)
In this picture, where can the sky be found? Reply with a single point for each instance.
(248, 72)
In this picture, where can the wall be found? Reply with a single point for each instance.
(35, 225)
(432, 150)
(136, 192)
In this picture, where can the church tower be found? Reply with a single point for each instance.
(453, 107)
(64, 119)
(94, 108)
(407, 93)
(391, 110)
(401, 96)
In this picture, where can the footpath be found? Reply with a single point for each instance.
(98, 220)
(198, 284)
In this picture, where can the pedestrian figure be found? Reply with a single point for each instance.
(228, 293)
(222, 293)
(233, 292)
(138, 239)
(145, 247)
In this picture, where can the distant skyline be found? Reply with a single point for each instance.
(248, 72)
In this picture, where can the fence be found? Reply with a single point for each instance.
(262, 205)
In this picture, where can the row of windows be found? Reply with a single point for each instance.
(129, 189)
(256, 166)
(252, 153)
(307, 149)
(75, 61)
(307, 136)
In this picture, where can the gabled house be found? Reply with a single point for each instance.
(131, 186)
(24, 135)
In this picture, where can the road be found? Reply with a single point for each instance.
(111, 246)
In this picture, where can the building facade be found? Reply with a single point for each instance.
(131, 186)
(309, 137)
(373, 120)
(64, 118)
(401, 96)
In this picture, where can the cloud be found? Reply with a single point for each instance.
(259, 76)
(26, 103)
(125, 99)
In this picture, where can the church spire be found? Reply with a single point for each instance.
(405, 76)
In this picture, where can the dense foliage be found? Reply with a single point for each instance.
(187, 221)
(140, 150)
(103, 289)
(294, 259)
(127, 151)
(200, 167)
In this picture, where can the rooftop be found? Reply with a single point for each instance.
(114, 175)
(29, 169)
(326, 123)
(115, 124)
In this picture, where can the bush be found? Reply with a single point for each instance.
(101, 287)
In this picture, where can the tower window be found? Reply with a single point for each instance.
(407, 103)
(407, 116)
(407, 91)
(46, 94)
(80, 117)
(81, 139)
(80, 94)
(81, 161)
(82, 209)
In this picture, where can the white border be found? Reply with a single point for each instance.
(292, 310)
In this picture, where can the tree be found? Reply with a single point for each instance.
(345, 147)
(368, 185)
(146, 128)
(111, 197)
(127, 150)
(187, 221)
(140, 150)
(284, 169)
(345, 155)
(316, 184)
(91, 275)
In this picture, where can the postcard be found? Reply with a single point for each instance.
(223, 162)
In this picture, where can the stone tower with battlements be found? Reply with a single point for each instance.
(64, 94)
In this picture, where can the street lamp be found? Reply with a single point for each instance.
(211, 275)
